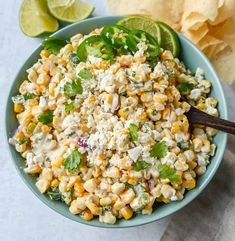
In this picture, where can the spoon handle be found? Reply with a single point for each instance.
(196, 116)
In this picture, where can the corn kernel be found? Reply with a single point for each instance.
(86, 215)
(132, 181)
(123, 114)
(57, 163)
(95, 210)
(189, 184)
(55, 183)
(45, 129)
(18, 108)
(109, 99)
(20, 135)
(44, 53)
(85, 128)
(142, 116)
(52, 89)
(61, 61)
(126, 212)
(130, 93)
(175, 128)
(92, 98)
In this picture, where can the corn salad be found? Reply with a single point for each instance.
(111, 138)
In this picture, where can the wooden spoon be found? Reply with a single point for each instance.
(196, 116)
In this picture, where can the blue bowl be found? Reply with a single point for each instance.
(192, 57)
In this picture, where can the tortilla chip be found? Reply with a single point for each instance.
(196, 35)
(193, 21)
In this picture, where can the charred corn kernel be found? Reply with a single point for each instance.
(78, 188)
(189, 184)
(126, 212)
(52, 89)
(84, 170)
(123, 114)
(44, 53)
(57, 162)
(127, 196)
(45, 129)
(55, 183)
(105, 201)
(85, 128)
(61, 61)
(92, 98)
(86, 215)
(95, 210)
(146, 97)
(109, 99)
(104, 64)
(20, 135)
(175, 128)
(18, 108)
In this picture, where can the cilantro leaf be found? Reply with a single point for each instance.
(85, 74)
(185, 87)
(46, 117)
(29, 96)
(141, 165)
(21, 142)
(73, 162)
(168, 172)
(70, 106)
(159, 149)
(53, 45)
(54, 194)
(133, 132)
(74, 88)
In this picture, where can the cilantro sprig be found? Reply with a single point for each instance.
(73, 162)
(167, 172)
(53, 45)
(141, 165)
(159, 150)
(185, 87)
(85, 74)
(73, 88)
(69, 106)
(133, 131)
(46, 117)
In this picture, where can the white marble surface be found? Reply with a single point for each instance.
(22, 216)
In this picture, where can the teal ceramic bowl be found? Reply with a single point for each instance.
(193, 58)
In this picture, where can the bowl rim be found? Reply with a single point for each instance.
(126, 224)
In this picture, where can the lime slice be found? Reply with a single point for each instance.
(142, 22)
(169, 39)
(70, 10)
(35, 18)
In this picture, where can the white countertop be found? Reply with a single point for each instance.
(22, 216)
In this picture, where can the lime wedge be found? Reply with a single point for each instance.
(70, 10)
(142, 22)
(35, 18)
(169, 39)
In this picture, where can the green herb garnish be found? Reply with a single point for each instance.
(21, 142)
(53, 45)
(29, 96)
(74, 88)
(73, 162)
(46, 117)
(70, 106)
(85, 74)
(141, 165)
(133, 132)
(168, 172)
(159, 149)
(185, 87)
(54, 194)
